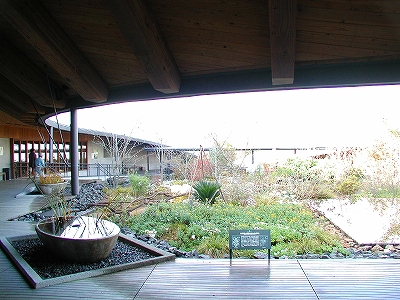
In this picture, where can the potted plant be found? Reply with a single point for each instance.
(82, 239)
(74, 236)
(51, 183)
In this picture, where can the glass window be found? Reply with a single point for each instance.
(21, 149)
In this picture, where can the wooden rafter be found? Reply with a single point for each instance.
(18, 69)
(39, 28)
(282, 23)
(14, 96)
(142, 32)
(11, 109)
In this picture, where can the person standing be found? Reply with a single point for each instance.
(32, 162)
(39, 163)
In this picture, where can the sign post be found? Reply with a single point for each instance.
(249, 239)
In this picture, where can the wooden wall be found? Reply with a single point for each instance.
(30, 133)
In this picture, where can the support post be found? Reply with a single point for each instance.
(74, 152)
(51, 144)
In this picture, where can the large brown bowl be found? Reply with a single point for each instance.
(83, 240)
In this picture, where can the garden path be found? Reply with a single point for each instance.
(362, 221)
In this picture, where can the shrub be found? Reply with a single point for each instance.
(382, 191)
(304, 179)
(238, 192)
(349, 185)
(297, 169)
(140, 184)
(207, 191)
(355, 172)
(214, 246)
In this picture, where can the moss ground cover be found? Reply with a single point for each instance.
(294, 229)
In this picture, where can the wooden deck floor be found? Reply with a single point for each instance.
(207, 279)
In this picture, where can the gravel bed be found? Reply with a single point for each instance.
(48, 266)
(89, 195)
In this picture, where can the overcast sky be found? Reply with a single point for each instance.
(297, 118)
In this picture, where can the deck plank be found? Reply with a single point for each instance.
(354, 279)
(120, 285)
(244, 279)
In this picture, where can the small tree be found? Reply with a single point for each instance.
(122, 150)
(223, 157)
(165, 158)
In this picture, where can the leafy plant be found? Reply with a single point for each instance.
(140, 184)
(299, 170)
(303, 179)
(50, 178)
(348, 186)
(389, 192)
(207, 191)
(214, 246)
(59, 205)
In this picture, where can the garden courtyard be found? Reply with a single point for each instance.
(338, 203)
(201, 278)
(334, 225)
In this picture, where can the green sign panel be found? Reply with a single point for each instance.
(249, 239)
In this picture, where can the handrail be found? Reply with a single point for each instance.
(21, 169)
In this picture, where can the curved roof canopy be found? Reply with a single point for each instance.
(80, 53)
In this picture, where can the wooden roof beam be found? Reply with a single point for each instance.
(18, 69)
(282, 25)
(135, 20)
(39, 28)
(11, 93)
(11, 109)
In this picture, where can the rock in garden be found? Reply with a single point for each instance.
(377, 248)
(365, 248)
(192, 254)
(260, 255)
(390, 248)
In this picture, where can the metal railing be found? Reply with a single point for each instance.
(21, 169)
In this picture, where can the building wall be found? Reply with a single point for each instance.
(140, 158)
(5, 154)
(21, 132)
(96, 154)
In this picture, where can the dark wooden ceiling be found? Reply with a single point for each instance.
(58, 54)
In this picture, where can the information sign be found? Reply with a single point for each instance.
(249, 239)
